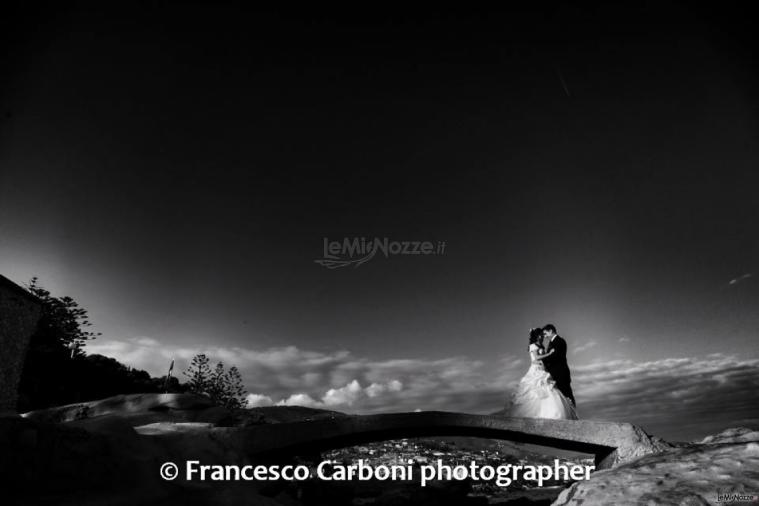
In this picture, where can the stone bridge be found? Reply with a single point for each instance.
(612, 443)
(191, 425)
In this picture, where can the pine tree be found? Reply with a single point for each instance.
(63, 323)
(224, 387)
(199, 373)
(217, 388)
(235, 395)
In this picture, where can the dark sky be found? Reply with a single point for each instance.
(175, 168)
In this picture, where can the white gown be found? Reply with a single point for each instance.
(537, 395)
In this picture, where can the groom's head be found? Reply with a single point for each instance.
(549, 331)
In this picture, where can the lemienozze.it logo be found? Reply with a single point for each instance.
(354, 251)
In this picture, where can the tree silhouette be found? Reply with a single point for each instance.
(224, 387)
(235, 393)
(199, 373)
(62, 325)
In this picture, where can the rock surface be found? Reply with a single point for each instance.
(728, 463)
(144, 409)
(166, 406)
(737, 435)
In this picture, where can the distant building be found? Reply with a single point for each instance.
(19, 313)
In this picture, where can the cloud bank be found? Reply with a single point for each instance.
(676, 398)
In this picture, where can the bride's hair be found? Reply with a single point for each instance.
(536, 337)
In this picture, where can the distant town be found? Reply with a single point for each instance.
(453, 452)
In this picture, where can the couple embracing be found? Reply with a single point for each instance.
(545, 390)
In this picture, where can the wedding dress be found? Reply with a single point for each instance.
(537, 395)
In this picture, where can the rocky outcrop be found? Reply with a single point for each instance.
(727, 463)
(632, 443)
(137, 409)
(144, 409)
(737, 435)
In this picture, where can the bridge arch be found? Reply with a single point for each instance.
(611, 443)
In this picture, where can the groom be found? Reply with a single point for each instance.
(556, 362)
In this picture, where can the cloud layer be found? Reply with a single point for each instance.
(342, 397)
(678, 398)
(338, 380)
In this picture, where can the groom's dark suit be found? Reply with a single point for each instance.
(556, 365)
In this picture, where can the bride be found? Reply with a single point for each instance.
(537, 395)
